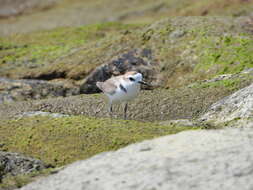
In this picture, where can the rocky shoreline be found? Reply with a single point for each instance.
(191, 129)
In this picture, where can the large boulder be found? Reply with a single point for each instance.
(217, 159)
(234, 110)
(16, 164)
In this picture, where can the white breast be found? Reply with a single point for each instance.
(132, 91)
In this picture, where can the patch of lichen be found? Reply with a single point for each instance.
(224, 55)
(183, 46)
(193, 48)
(59, 141)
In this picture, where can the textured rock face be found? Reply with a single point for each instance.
(238, 106)
(15, 164)
(136, 60)
(17, 90)
(219, 159)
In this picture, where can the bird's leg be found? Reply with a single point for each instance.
(125, 111)
(110, 109)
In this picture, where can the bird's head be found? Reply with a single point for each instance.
(135, 77)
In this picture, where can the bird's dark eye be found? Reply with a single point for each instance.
(131, 79)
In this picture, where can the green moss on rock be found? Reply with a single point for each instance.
(232, 82)
(22, 55)
(183, 49)
(59, 141)
(224, 55)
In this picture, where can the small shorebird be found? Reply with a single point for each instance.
(121, 88)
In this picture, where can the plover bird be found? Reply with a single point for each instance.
(121, 88)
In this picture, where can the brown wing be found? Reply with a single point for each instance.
(107, 87)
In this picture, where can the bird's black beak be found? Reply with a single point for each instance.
(142, 82)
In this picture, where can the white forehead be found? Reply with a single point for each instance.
(136, 76)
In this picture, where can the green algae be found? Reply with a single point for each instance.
(59, 141)
(232, 83)
(224, 55)
(195, 48)
(43, 48)
(228, 83)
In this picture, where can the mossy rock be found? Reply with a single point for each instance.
(187, 48)
(225, 54)
(49, 54)
(59, 141)
(184, 49)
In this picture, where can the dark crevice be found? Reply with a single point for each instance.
(48, 76)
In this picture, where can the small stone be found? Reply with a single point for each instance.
(177, 34)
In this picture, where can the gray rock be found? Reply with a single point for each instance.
(219, 78)
(15, 164)
(136, 60)
(248, 71)
(177, 34)
(19, 90)
(237, 107)
(213, 159)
